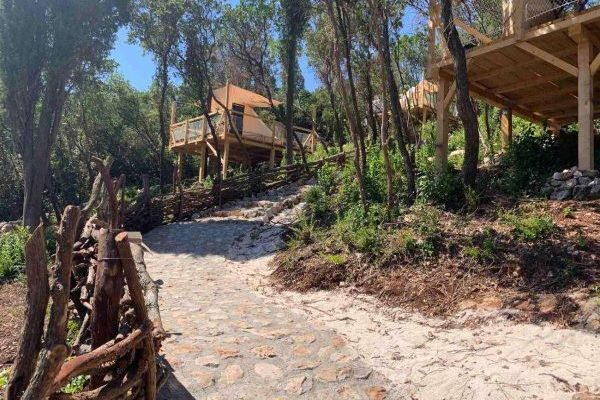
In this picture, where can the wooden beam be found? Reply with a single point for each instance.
(585, 113)
(549, 58)
(472, 31)
(595, 65)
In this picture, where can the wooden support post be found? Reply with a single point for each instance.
(442, 126)
(225, 156)
(179, 167)
(272, 158)
(202, 167)
(173, 112)
(585, 98)
(506, 128)
(519, 21)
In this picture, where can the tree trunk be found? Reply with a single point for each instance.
(339, 134)
(292, 52)
(345, 35)
(352, 117)
(397, 116)
(163, 84)
(389, 172)
(34, 177)
(463, 100)
(370, 98)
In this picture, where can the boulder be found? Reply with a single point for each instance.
(592, 173)
(581, 192)
(561, 195)
(584, 180)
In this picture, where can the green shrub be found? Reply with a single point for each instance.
(4, 377)
(529, 227)
(319, 203)
(402, 242)
(72, 331)
(12, 253)
(444, 189)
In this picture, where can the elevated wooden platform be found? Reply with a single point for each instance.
(264, 143)
(541, 68)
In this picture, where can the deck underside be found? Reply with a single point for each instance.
(507, 72)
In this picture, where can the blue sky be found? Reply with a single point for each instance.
(138, 68)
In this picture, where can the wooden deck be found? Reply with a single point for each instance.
(541, 72)
(193, 137)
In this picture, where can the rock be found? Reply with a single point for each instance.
(305, 364)
(557, 176)
(203, 379)
(561, 195)
(376, 393)
(326, 374)
(208, 361)
(268, 371)
(226, 353)
(362, 372)
(547, 303)
(566, 174)
(344, 373)
(580, 192)
(577, 174)
(264, 352)
(592, 173)
(306, 339)
(231, 374)
(301, 351)
(569, 184)
(585, 396)
(299, 385)
(584, 180)
(595, 191)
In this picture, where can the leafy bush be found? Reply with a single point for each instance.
(529, 227)
(446, 189)
(533, 157)
(12, 253)
(319, 204)
(76, 385)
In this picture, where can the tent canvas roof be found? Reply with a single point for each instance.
(243, 96)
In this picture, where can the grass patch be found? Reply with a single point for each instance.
(529, 227)
(12, 253)
(335, 259)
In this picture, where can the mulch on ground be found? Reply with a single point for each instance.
(12, 310)
(546, 279)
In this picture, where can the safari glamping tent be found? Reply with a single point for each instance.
(532, 58)
(265, 142)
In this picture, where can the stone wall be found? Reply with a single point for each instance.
(573, 184)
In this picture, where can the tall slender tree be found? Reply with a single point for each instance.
(155, 26)
(46, 49)
(295, 18)
(466, 111)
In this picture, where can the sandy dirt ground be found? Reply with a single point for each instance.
(474, 355)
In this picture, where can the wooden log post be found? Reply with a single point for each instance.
(585, 97)
(139, 306)
(37, 301)
(506, 127)
(55, 349)
(442, 126)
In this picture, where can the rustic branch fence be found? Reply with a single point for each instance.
(98, 278)
(147, 213)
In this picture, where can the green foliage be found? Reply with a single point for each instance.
(12, 253)
(529, 227)
(403, 242)
(335, 259)
(444, 189)
(72, 331)
(76, 385)
(4, 377)
(482, 248)
(533, 157)
(319, 205)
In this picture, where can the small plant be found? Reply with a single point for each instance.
(335, 259)
(76, 385)
(472, 198)
(403, 242)
(72, 331)
(304, 230)
(567, 212)
(445, 189)
(529, 227)
(4, 377)
(582, 241)
(12, 253)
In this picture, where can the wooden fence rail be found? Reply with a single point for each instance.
(149, 213)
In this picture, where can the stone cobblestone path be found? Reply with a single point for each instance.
(230, 342)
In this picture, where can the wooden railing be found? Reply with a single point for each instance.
(182, 205)
(196, 130)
